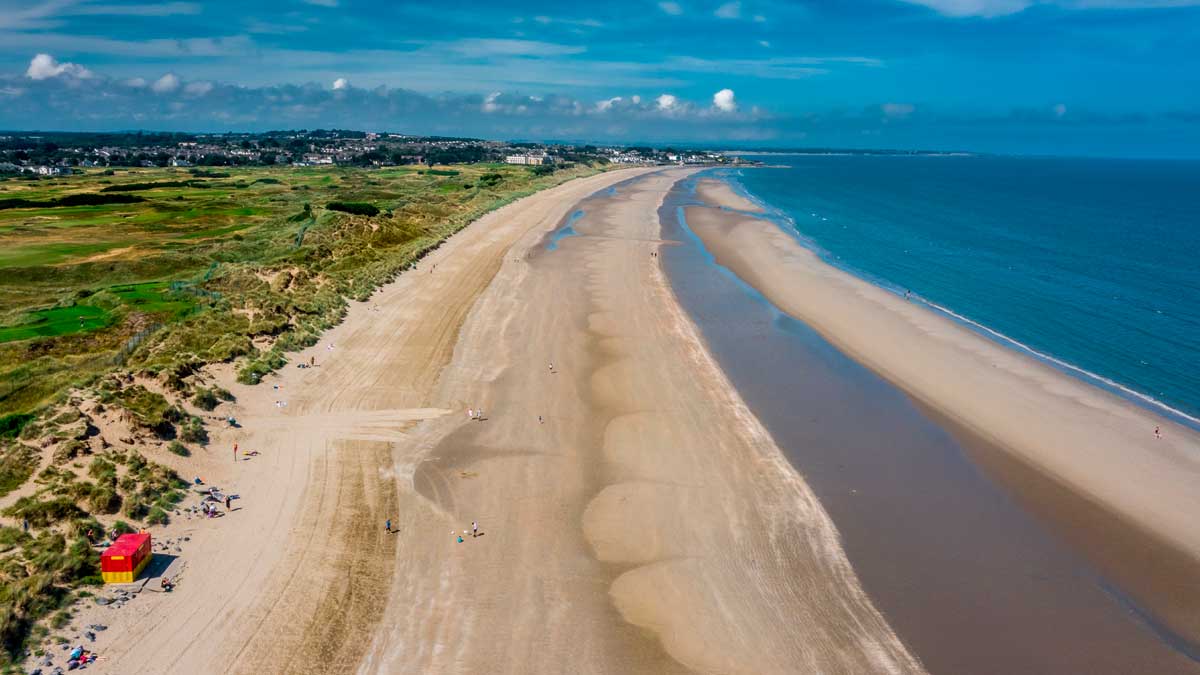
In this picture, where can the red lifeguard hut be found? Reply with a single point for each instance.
(122, 562)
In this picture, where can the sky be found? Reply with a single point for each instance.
(1070, 77)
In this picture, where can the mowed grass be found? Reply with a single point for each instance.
(205, 266)
(56, 321)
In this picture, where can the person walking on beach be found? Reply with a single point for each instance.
(552, 366)
(387, 526)
(228, 503)
(1157, 432)
(474, 529)
(470, 413)
(479, 415)
(235, 452)
(539, 419)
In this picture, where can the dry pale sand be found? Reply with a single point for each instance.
(720, 193)
(1079, 438)
(646, 524)
(297, 578)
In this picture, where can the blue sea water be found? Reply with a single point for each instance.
(1092, 264)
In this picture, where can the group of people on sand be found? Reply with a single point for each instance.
(475, 414)
(474, 532)
(210, 505)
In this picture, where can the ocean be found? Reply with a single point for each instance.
(991, 585)
(1092, 265)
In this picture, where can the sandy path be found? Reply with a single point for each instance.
(647, 524)
(1141, 493)
(296, 579)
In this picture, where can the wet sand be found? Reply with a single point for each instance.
(1147, 577)
(646, 523)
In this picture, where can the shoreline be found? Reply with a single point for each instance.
(637, 517)
(991, 396)
(1128, 392)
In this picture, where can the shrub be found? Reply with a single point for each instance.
(180, 449)
(86, 199)
(157, 517)
(193, 431)
(136, 508)
(205, 399)
(104, 499)
(17, 464)
(254, 370)
(11, 425)
(44, 513)
(149, 409)
(355, 208)
(103, 470)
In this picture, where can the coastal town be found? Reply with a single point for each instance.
(60, 154)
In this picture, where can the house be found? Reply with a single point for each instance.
(529, 160)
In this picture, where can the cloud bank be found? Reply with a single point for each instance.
(69, 96)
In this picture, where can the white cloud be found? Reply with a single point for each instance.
(547, 20)
(729, 10)
(44, 66)
(158, 9)
(984, 8)
(666, 102)
(636, 99)
(897, 110)
(764, 43)
(489, 102)
(198, 88)
(759, 18)
(723, 101)
(606, 104)
(135, 82)
(165, 84)
(993, 8)
(321, 3)
(341, 83)
(1059, 109)
(672, 8)
(485, 47)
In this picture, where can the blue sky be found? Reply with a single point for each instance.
(1106, 77)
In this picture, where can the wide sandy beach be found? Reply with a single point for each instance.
(1086, 459)
(633, 514)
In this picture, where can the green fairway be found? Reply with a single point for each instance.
(56, 321)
